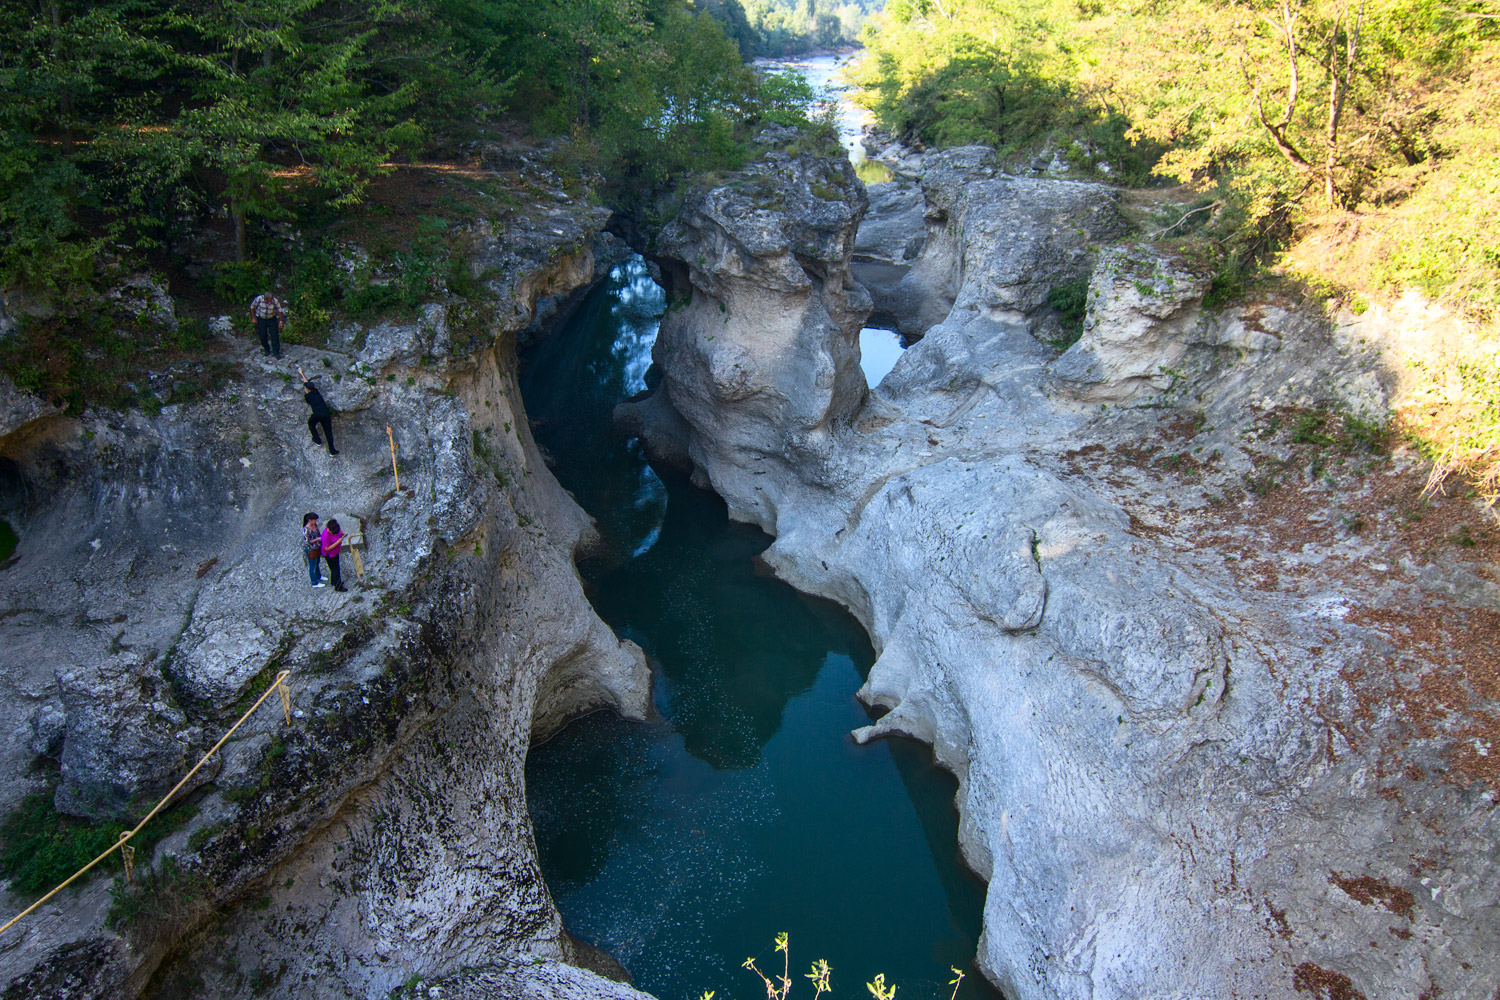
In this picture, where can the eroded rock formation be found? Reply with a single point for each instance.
(1211, 740)
(159, 586)
(760, 304)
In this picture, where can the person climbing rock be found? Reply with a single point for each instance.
(321, 414)
(333, 541)
(266, 312)
(312, 546)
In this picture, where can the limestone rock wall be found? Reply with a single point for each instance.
(159, 585)
(1143, 636)
(758, 348)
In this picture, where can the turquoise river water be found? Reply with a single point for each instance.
(684, 844)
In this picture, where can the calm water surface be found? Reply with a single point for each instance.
(879, 350)
(682, 845)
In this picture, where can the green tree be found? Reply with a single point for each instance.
(62, 73)
(282, 102)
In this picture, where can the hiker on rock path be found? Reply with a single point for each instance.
(321, 414)
(268, 316)
(333, 541)
(312, 546)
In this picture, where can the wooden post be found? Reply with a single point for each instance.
(394, 471)
(129, 858)
(286, 699)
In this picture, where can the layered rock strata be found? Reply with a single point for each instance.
(1178, 675)
(158, 587)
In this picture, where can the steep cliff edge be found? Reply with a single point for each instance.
(1221, 714)
(158, 587)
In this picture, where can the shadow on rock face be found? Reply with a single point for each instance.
(699, 593)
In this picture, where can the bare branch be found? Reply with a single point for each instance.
(1276, 130)
(1338, 91)
(1202, 208)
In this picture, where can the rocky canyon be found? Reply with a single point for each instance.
(1223, 724)
(1217, 682)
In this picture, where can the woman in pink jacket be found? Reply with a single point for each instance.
(333, 541)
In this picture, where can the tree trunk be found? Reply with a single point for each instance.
(238, 216)
(1278, 129)
(585, 55)
(65, 96)
(1338, 91)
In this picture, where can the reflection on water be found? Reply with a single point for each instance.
(879, 350)
(872, 172)
(683, 845)
(571, 385)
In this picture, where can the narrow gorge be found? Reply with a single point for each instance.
(1103, 584)
(381, 837)
(1220, 726)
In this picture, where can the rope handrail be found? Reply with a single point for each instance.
(279, 685)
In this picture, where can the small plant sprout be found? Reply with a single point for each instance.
(819, 977)
(773, 991)
(958, 977)
(879, 990)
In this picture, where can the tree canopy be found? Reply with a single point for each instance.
(775, 28)
(125, 120)
(1283, 108)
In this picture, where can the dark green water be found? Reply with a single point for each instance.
(683, 845)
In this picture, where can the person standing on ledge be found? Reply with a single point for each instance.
(333, 540)
(321, 414)
(268, 315)
(312, 546)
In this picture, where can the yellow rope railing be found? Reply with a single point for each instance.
(286, 707)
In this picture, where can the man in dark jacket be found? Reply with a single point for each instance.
(321, 414)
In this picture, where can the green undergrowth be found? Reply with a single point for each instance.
(1070, 299)
(1324, 439)
(93, 352)
(159, 894)
(40, 847)
(1453, 416)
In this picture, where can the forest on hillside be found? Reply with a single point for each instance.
(1353, 145)
(222, 147)
(125, 120)
(792, 27)
(1281, 110)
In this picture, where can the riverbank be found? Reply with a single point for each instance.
(742, 808)
(1095, 585)
(380, 836)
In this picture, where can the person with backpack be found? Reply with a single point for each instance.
(312, 547)
(333, 541)
(268, 316)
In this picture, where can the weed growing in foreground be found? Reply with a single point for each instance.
(1454, 417)
(778, 988)
(160, 895)
(40, 847)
